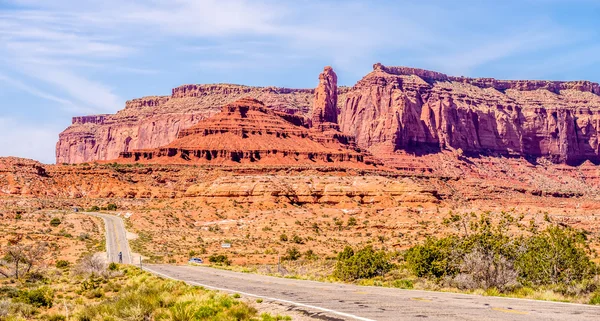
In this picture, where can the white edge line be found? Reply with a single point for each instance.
(263, 297)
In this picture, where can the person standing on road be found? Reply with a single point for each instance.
(120, 257)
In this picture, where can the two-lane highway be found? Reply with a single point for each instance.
(333, 301)
(116, 238)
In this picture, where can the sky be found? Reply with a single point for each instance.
(65, 58)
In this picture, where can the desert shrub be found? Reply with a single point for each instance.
(352, 221)
(55, 222)
(595, 300)
(91, 283)
(297, 239)
(91, 265)
(61, 264)
(9, 292)
(56, 317)
(40, 297)
(4, 308)
(292, 254)
(219, 259)
(403, 284)
(487, 257)
(94, 208)
(482, 269)
(268, 317)
(558, 255)
(113, 266)
(83, 236)
(283, 237)
(310, 255)
(365, 263)
(22, 309)
(111, 207)
(433, 258)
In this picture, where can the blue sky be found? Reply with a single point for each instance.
(64, 58)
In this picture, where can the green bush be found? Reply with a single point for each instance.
(55, 222)
(219, 259)
(40, 297)
(403, 284)
(558, 255)
(113, 266)
(352, 221)
(61, 264)
(365, 263)
(94, 209)
(283, 237)
(56, 317)
(292, 254)
(297, 239)
(310, 255)
(111, 207)
(486, 257)
(433, 258)
(595, 300)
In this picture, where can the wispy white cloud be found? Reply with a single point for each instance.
(82, 54)
(96, 95)
(20, 138)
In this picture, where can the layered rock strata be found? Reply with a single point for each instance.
(156, 121)
(399, 108)
(391, 111)
(246, 131)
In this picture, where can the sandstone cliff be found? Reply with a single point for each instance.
(246, 131)
(399, 108)
(390, 111)
(326, 96)
(152, 122)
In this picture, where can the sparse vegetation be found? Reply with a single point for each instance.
(55, 222)
(219, 259)
(125, 293)
(486, 257)
(292, 254)
(362, 264)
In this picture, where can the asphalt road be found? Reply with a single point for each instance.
(116, 238)
(332, 301)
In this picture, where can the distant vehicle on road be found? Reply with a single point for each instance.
(195, 260)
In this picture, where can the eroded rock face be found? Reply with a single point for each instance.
(326, 96)
(392, 109)
(399, 108)
(247, 131)
(151, 122)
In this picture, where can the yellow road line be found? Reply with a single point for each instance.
(421, 299)
(509, 311)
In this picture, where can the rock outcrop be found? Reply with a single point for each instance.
(326, 97)
(246, 131)
(390, 111)
(151, 122)
(399, 108)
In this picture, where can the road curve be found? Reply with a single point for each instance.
(333, 301)
(116, 238)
